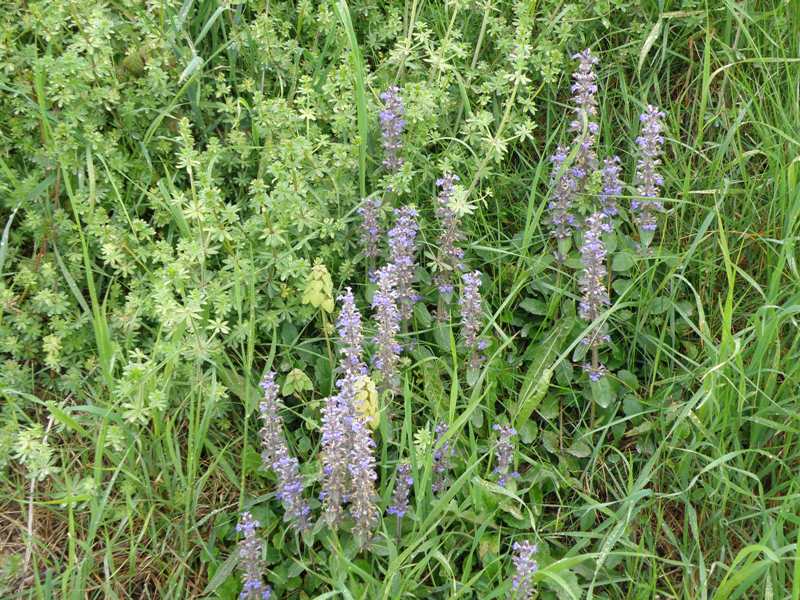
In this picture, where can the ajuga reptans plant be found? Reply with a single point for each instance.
(402, 487)
(450, 255)
(525, 566)
(253, 587)
(402, 250)
(275, 455)
(574, 167)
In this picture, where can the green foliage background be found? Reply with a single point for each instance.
(171, 172)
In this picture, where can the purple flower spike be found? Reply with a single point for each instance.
(275, 455)
(334, 455)
(584, 90)
(347, 455)
(593, 257)
(370, 226)
(451, 257)
(584, 86)
(648, 180)
(525, 567)
(568, 183)
(402, 239)
(471, 317)
(392, 126)
(402, 487)
(612, 186)
(351, 339)
(361, 465)
(387, 318)
(504, 451)
(441, 461)
(564, 190)
(592, 282)
(250, 560)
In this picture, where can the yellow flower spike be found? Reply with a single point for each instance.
(366, 401)
(319, 289)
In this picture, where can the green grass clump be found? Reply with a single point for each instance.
(179, 185)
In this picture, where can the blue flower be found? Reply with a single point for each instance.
(402, 487)
(387, 319)
(351, 338)
(648, 180)
(568, 183)
(441, 460)
(275, 455)
(392, 126)
(592, 282)
(612, 186)
(370, 226)
(504, 452)
(363, 475)
(250, 548)
(525, 567)
(451, 256)
(402, 238)
(471, 317)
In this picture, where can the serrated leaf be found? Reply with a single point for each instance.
(296, 381)
(488, 545)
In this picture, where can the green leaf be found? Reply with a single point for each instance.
(621, 285)
(65, 419)
(550, 441)
(190, 69)
(247, 392)
(225, 571)
(296, 381)
(660, 305)
(648, 43)
(622, 261)
(422, 314)
(628, 379)
(527, 433)
(579, 448)
(549, 407)
(602, 392)
(534, 306)
(537, 379)
(4, 240)
(357, 63)
(631, 405)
